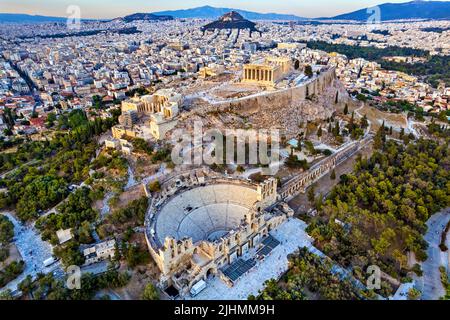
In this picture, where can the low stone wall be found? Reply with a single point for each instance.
(299, 183)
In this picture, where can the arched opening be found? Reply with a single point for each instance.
(296, 64)
(210, 273)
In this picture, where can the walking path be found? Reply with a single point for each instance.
(131, 180)
(430, 283)
(29, 163)
(105, 205)
(33, 250)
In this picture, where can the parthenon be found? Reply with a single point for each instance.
(266, 71)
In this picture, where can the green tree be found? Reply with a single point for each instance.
(443, 116)
(337, 129)
(308, 71)
(380, 138)
(150, 292)
(51, 118)
(333, 175)
(154, 186)
(414, 294)
(70, 254)
(6, 230)
(26, 285)
(364, 122)
(135, 255)
(140, 145)
(384, 205)
(6, 295)
(311, 194)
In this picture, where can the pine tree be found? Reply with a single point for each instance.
(380, 138)
(364, 122)
(311, 194)
(333, 175)
(351, 125)
(150, 292)
(319, 132)
(308, 71)
(337, 129)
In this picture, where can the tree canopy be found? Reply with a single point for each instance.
(385, 203)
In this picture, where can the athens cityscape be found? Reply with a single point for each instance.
(224, 150)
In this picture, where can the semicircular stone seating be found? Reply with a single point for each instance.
(205, 213)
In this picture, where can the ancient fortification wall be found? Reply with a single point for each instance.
(283, 109)
(289, 97)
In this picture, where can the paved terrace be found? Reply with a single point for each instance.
(33, 250)
(292, 235)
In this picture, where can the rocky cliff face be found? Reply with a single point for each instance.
(284, 110)
(285, 114)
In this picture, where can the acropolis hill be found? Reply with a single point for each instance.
(283, 105)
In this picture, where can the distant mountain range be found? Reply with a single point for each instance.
(399, 11)
(26, 18)
(208, 12)
(147, 17)
(418, 9)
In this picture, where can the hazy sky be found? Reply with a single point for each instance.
(115, 8)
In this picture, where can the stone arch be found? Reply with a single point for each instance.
(210, 272)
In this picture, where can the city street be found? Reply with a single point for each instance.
(33, 250)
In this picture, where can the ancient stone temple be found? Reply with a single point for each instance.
(266, 71)
(164, 101)
(160, 109)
